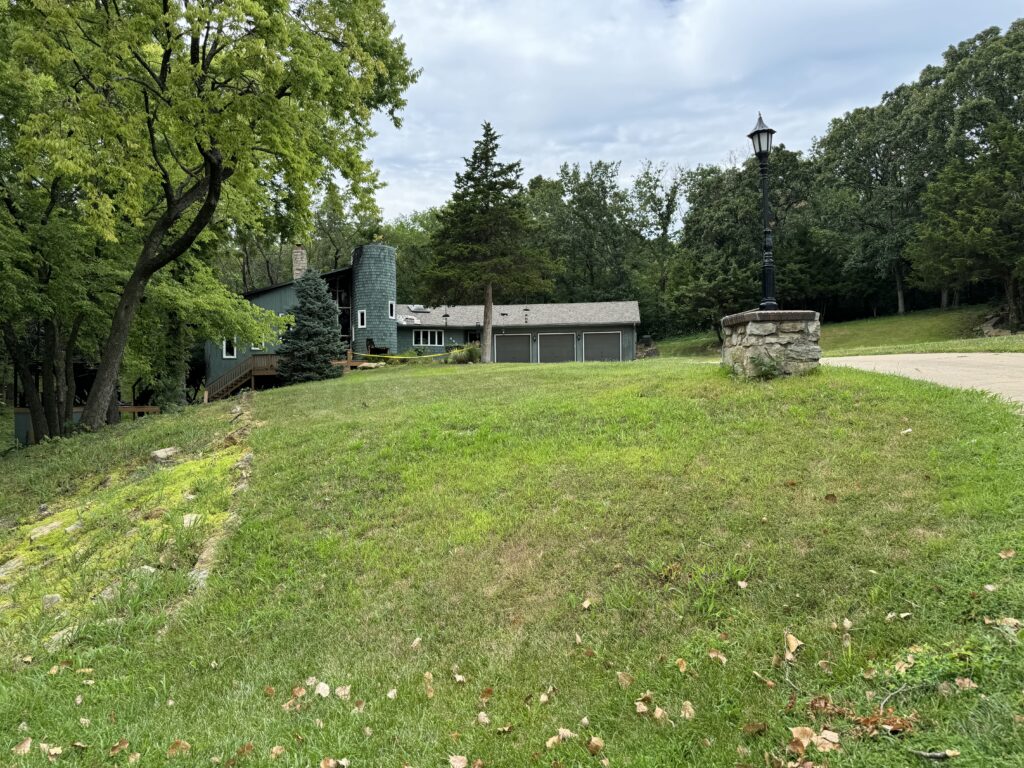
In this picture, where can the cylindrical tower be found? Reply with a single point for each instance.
(373, 297)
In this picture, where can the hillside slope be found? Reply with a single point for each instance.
(932, 330)
(437, 542)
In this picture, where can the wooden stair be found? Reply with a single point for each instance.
(245, 372)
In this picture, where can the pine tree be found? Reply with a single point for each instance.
(314, 339)
(481, 243)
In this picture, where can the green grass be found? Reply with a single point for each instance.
(477, 508)
(931, 330)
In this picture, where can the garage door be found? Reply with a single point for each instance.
(557, 347)
(602, 346)
(512, 348)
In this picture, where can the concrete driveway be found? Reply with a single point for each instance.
(1001, 373)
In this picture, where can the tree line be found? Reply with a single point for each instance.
(914, 202)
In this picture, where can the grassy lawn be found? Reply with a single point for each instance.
(931, 330)
(436, 542)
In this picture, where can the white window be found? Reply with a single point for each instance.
(361, 318)
(256, 348)
(228, 350)
(425, 338)
(391, 310)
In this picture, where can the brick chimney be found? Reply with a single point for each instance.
(299, 261)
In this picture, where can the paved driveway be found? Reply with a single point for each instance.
(1001, 373)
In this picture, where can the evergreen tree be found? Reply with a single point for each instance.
(315, 338)
(482, 242)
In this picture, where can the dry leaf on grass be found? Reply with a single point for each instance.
(793, 644)
(416, 643)
(428, 684)
(323, 690)
(763, 679)
(595, 745)
(681, 664)
(121, 746)
(178, 747)
(482, 718)
(687, 712)
(505, 729)
(586, 604)
(134, 757)
(392, 694)
(276, 752)
(458, 761)
(22, 748)
(741, 584)
(343, 692)
(564, 734)
(1006, 554)
(717, 655)
(965, 683)
(625, 679)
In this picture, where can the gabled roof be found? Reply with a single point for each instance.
(267, 289)
(509, 315)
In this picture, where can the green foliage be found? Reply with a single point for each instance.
(314, 338)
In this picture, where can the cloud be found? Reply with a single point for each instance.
(675, 81)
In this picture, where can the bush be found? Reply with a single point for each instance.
(463, 355)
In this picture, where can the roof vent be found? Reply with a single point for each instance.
(417, 308)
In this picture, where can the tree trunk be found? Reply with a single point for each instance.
(104, 386)
(1012, 310)
(944, 299)
(23, 371)
(486, 338)
(901, 306)
(69, 373)
(51, 407)
(956, 297)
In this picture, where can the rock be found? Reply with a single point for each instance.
(109, 593)
(50, 601)
(761, 329)
(60, 639)
(44, 510)
(163, 455)
(190, 520)
(42, 530)
(10, 566)
(74, 527)
(146, 570)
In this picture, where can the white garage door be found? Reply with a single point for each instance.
(511, 347)
(556, 347)
(602, 346)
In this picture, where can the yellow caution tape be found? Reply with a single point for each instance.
(398, 357)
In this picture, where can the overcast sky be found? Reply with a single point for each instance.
(674, 81)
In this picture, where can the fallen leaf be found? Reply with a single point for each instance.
(121, 746)
(276, 752)
(579, 640)
(660, 715)
(543, 698)
(803, 734)
(393, 694)
(245, 750)
(595, 745)
(831, 498)
(792, 643)
(311, 681)
(23, 747)
(586, 604)
(990, 587)
(358, 708)
(965, 683)
(416, 643)
(458, 761)
(763, 679)
(641, 708)
(482, 718)
(906, 431)
(459, 678)
(847, 624)
(298, 692)
(1006, 554)
(681, 664)
(367, 730)
(269, 691)
(505, 729)
(178, 747)
(687, 712)
(869, 673)
(754, 729)
(343, 692)
(485, 695)
(585, 722)
(428, 684)
(741, 584)
(134, 757)
(624, 678)
(825, 666)
(85, 722)
(717, 655)
(323, 690)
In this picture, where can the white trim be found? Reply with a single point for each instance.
(585, 333)
(506, 335)
(434, 337)
(224, 349)
(361, 318)
(391, 310)
(575, 356)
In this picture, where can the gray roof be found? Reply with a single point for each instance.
(509, 315)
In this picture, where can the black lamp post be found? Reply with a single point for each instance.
(761, 138)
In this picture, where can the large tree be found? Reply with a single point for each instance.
(481, 243)
(176, 111)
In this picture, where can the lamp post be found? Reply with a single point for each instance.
(761, 138)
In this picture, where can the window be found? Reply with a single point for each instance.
(361, 319)
(257, 347)
(424, 338)
(228, 351)
(391, 310)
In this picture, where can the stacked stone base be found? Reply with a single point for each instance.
(768, 343)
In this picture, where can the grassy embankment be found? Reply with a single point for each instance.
(479, 509)
(930, 330)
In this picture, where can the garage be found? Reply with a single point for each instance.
(556, 347)
(512, 348)
(602, 346)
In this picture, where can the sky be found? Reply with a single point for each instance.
(678, 82)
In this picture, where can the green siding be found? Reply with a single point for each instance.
(280, 300)
(453, 337)
(373, 287)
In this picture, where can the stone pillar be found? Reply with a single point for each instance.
(764, 344)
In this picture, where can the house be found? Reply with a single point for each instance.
(368, 312)
(527, 333)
